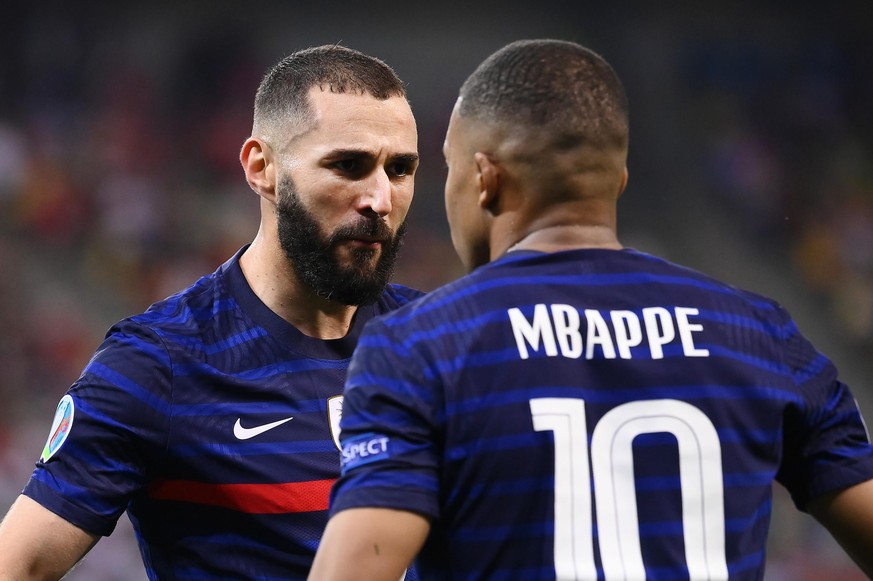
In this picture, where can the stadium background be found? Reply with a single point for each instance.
(751, 159)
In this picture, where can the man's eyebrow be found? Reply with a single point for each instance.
(409, 158)
(348, 153)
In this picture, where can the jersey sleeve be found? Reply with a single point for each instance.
(111, 426)
(826, 443)
(389, 429)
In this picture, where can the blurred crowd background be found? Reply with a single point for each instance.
(120, 127)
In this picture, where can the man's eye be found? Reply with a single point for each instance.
(347, 165)
(399, 169)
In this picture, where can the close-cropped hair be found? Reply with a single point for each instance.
(553, 85)
(284, 90)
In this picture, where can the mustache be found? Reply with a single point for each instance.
(364, 228)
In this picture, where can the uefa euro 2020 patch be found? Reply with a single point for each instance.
(364, 449)
(61, 426)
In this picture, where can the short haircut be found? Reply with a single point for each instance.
(283, 93)
(554, 85)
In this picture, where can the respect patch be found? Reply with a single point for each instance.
(364, 449)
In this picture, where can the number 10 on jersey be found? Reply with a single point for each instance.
(614, 498)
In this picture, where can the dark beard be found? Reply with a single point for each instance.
(314, 257)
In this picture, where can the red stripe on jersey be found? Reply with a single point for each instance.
(251, 498)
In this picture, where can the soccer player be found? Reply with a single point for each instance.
(574, 409)
(212, 417)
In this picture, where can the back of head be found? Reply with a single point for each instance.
(550, 87)
(283, 93)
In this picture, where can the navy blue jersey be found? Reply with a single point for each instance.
(593, 414)
(213, 422)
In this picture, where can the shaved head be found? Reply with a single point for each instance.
(283, 95)
(551, 87)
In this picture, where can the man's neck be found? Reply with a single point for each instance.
(273, 280)
(565, 237)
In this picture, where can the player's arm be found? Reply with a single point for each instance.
(848, 515)
(37, 544)
(369, 543)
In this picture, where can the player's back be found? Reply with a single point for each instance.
(609, 414)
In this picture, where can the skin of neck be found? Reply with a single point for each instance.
(562, 227)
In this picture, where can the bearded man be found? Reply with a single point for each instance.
(212, 418)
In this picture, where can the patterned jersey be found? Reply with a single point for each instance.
(593, 414)
(213, 421)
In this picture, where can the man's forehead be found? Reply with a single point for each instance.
(329, 106)
(461, 131)
(354, 121)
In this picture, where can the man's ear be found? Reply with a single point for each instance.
(623, 182)
(488, 175)
(256, 158)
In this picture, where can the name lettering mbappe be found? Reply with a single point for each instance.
(567, 331)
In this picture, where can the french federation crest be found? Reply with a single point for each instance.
(61, 426)
(334, 415)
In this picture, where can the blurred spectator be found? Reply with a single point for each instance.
(788, 143)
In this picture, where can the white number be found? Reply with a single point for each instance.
(611, 456)
(574, 546)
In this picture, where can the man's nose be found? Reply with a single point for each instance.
(377, 197)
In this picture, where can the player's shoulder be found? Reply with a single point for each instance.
(193, 311)
(724, 301)
(179, 310)
(689, 276)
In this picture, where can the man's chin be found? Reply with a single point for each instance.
(358, 262)
(363, 292)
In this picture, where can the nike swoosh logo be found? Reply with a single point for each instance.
(245, 433)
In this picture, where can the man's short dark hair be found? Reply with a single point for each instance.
(283, 93)
(555, 85)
